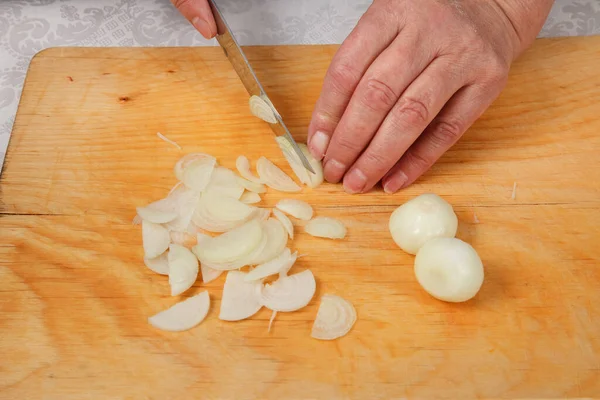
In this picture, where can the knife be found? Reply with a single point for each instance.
(240, 63)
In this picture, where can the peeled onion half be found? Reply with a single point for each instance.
(183, 315)
(240, 298)
(326, 227)
(421, 219)
(335, 318)
(449, 269)
(304, 175)
(289, 293)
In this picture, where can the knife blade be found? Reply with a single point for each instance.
(242, 67)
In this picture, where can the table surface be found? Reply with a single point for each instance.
(27, 27)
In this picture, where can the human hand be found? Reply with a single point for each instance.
(198, 12)
(409, 80)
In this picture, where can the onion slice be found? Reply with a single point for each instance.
(218, 213)
(335, 318)
(159, 212)
(252, 186)
(209, 274)
(296, 208)
(260, 108)
(183, 315)
(283, 262)
(195, 170)
(159, 264)
(184, 239)
(225, 182)
(290, 293)
(274, 177)
(285, 221)
(240, 298)
(184, 202)
(326, 227)
(155, 239)
(250, 198)
(273, 314)
(243, 166)
(183, 269)
(231, 245)
(277, 239)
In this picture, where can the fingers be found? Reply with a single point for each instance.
(457, 116)
(409, 117)
(358, 51)
(198, 12)
(378, 91)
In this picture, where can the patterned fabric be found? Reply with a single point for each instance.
(28, 26)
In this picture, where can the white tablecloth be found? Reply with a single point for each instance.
(28, 26)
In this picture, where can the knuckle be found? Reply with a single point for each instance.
(376, 158)
(343, 77)
(378, 95)
(446, 133)
(346, 146)
(413, 111)
(418, 160)
(180, 3)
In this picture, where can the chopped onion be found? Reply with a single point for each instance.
(250, 198)
(225, 182)
(289, 293)
(274, 177)
(326, 227)
(296, 208)
(418, 220)
(243, 166)
(184, 202)
(184, 239)
(240, 298)
(231, 245)
(159, 212)
(183, 269)
(159, 264)
(283, 262)
(335, 318)
(260, 108)
(166, 139)
(218, 213)
(183, 315)
(155, 239)
(209, 274)
(277, 239)
(252, 186)
(449, 269)
(285, 221)
(304, 175)
(273, 314)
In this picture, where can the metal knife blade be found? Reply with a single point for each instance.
(240, 63)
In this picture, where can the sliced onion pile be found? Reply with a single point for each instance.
(211, 210)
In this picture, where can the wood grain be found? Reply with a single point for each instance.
(75, 295)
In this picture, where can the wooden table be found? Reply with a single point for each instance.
(75, 295)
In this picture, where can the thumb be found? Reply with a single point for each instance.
(198, 12)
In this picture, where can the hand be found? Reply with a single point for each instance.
(409, 80)
(198, 12)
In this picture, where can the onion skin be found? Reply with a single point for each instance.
(449, 269)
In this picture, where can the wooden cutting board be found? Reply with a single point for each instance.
(75, 295)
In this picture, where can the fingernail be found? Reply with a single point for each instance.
(318, 145)
(395, 183)
(333, 171)
(355, 181)
(202, 27)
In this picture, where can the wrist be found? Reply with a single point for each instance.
(526, 19)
